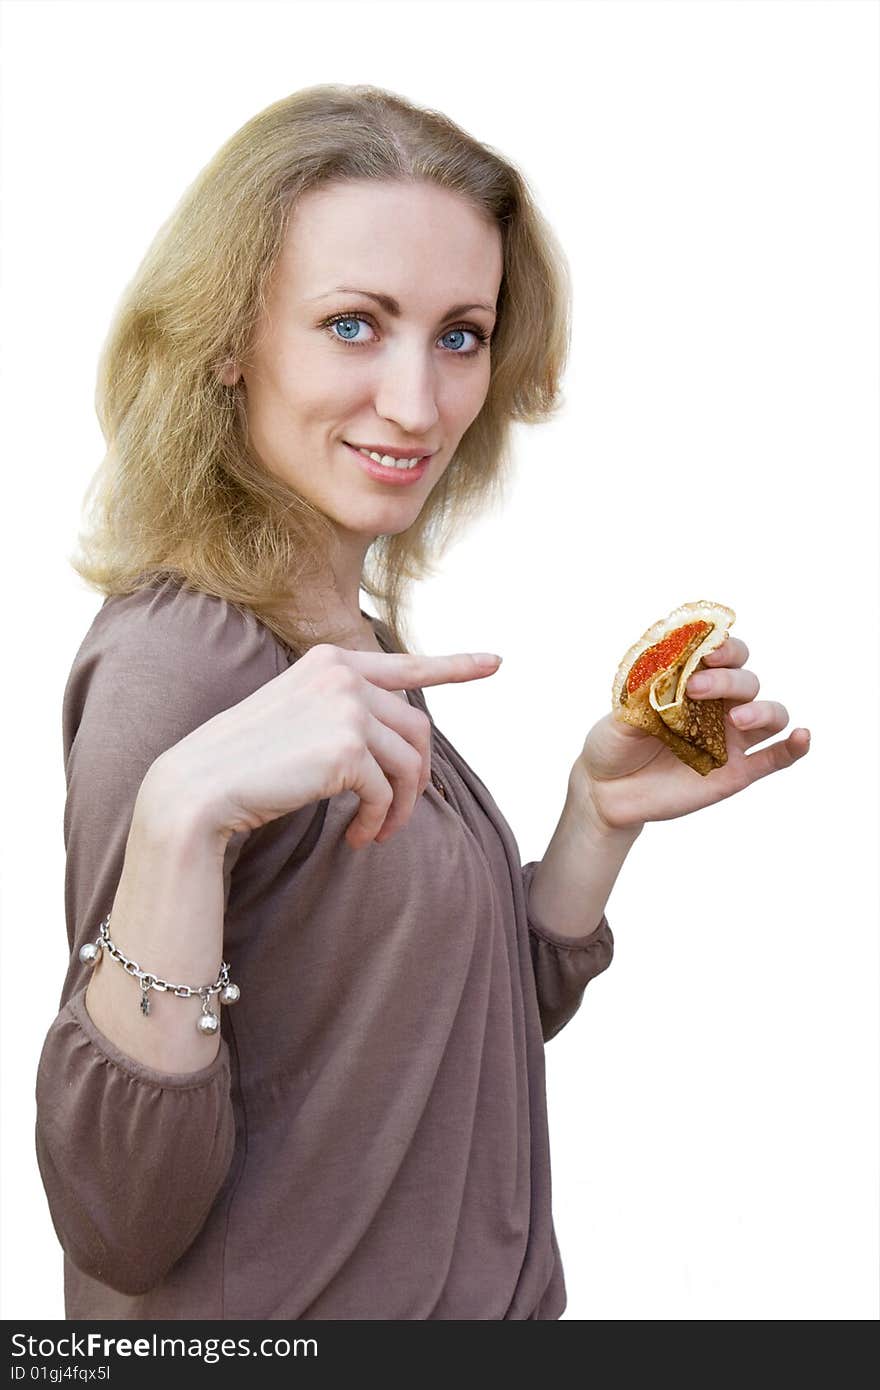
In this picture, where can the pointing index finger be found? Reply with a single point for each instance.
(407, 670)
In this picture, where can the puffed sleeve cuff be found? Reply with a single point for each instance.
(131, 1158)
(563, 965)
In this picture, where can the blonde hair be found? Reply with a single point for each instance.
(179, 492)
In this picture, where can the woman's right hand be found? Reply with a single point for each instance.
(332, 722)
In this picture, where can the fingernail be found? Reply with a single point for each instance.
(487, 658)
(697, 685)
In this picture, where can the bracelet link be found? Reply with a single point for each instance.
(207, 1023)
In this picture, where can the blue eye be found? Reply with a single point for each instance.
(348, 322)
(452, 333)
(345, 324)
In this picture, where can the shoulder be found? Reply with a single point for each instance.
(168, 618)
(167, 622)
(169, 654)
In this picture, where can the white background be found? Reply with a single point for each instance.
(712, 171)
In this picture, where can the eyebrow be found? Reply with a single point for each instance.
(392, 307)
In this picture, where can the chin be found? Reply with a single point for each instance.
(383, 520)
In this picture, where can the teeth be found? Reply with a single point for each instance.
(387, 460)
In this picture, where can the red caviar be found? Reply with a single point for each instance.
(661, 655)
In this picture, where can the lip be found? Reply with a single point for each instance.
(411, 453)
(396, 477)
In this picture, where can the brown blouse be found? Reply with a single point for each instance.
(371, 1139)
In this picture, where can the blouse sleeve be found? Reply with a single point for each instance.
(563, 966)
(133, 1158)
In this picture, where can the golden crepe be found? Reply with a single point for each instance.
(649, 688)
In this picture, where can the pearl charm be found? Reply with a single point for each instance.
(89, 953)
(230, 994)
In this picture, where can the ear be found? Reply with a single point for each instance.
(229, 373)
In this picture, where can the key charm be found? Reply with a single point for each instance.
(145, 997)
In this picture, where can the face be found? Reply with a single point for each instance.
(333, 368)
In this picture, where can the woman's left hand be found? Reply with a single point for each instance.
(631, 777)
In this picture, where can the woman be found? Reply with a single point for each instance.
(260, 807)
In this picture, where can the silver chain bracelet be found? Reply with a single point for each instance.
(207, 1022)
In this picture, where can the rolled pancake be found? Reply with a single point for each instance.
(649, 688)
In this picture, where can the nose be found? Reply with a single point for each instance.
(406, 394)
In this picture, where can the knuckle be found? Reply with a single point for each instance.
(425, 733)
(342, 679)
(352, 715)
(350, 747)
(321, 652)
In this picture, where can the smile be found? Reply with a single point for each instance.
(387, 461)
(384, 469)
